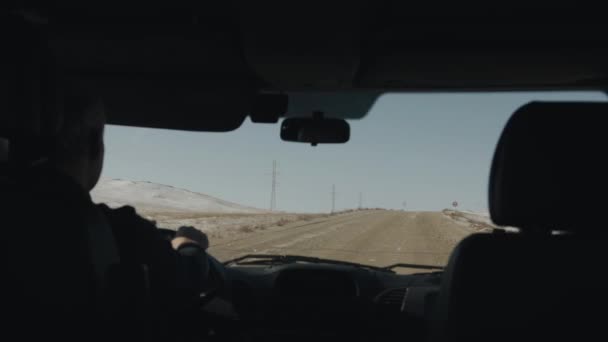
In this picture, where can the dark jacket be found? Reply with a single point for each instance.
(168, 279)
(50, 285)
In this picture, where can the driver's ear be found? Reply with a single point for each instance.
(96, 146)
(99, 118)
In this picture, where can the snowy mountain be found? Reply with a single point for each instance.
(151, 197)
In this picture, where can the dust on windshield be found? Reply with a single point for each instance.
(408, 186)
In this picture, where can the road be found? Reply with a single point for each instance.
(377, 238)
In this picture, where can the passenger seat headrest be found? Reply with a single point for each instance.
(549, 170)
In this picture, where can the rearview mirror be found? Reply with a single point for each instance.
(315, 130)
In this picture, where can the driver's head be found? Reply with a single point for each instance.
(43, 120)
(78, 147)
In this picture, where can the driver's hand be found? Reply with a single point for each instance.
(188, 234)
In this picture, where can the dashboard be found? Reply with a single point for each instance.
(302, 299)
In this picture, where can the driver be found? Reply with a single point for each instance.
(73, 269)
(176, 272)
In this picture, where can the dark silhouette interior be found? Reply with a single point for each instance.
(206, 67)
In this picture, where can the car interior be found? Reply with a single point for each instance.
(207, 67)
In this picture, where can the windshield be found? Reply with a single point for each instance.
(408, 186)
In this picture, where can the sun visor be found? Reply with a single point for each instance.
(175, 104)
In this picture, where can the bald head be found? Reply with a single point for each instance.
(49, 120)
(78, 145)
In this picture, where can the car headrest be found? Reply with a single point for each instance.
(549, 170)
(29, 87)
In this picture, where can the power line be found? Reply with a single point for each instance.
(273, 193)
(333, 198)
(360, 200)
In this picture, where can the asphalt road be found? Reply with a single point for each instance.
(378, 238)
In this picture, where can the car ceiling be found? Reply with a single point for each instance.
(214, 59)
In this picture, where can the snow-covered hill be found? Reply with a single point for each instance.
(151, 197)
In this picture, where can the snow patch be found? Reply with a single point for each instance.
(151, 197)
(477, 221)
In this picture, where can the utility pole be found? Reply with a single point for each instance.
(273, 193)
(333, 198)
(360, 200)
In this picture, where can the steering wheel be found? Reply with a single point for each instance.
(217, 274)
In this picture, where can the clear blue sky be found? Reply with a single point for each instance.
(426, 149)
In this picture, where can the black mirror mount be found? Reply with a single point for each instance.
(267, 108)
(315, 130)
